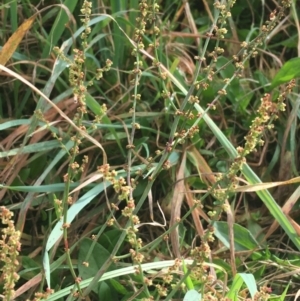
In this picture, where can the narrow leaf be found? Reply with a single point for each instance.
(238, 281)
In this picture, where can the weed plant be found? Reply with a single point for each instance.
(149, 150)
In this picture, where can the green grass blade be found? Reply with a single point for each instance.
(188, 280)
(117, 273)
(14, 15)
(59, 26)
(40, 188)
(32, 148)
(238, 281)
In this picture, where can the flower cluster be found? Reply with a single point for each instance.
(10, 247)
(123, 190)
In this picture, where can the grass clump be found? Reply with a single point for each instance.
(135, 166)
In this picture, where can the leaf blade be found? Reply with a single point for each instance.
(13, 42)
(290, 70)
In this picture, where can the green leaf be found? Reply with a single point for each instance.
(192, 295)
(105, 292)
(116, 136)
(32, 148)
(31, 268)
(40, 189)
(59, 25)
(118, 287)
(188, 280)
(243, 239)
(116, 273)
(98, 256)
(250, 282)
(226, 67)
(238, 281)
(290, 70)
(109, 239)
(283, 295)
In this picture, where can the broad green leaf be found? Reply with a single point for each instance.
(109, 239)
(243, 239)
(290, 70)
(192, 295)
(105, 292)
(228, 70)
(98, 256)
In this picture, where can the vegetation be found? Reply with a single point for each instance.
(149, 150)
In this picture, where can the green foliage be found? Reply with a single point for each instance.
(137, 146)
(243, 240)
(288, 72)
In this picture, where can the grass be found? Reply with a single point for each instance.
(149, 150)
